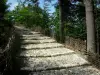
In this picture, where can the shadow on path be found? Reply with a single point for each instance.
(68, 63)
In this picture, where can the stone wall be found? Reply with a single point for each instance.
(5, 54)
(80, 46)
(75, 44)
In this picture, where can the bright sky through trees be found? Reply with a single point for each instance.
(14, 3)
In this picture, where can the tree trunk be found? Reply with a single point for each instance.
(91, 29)
(61, 27)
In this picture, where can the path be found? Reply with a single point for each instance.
(42, 55)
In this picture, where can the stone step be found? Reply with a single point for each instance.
(35, 32)
(46, 52)
(50, 62)
(38, 41)
(75, 70)
(43, 45)
(25, 33)
(35, 38)
(49, 57)
(30, 35)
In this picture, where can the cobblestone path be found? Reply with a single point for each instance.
(42, 55)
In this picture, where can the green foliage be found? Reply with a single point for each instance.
(3, 6)
(5, 25)
(74, 20)
(30, 16)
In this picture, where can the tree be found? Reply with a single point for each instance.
(3, 8)
(61, 15)
(61, 21)
(91, 29)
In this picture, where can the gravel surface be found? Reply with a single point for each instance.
(42, 55)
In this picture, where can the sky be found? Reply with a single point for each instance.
(14, 3)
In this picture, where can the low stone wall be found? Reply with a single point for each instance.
(75, 44)
(80, 46)
(5, 54)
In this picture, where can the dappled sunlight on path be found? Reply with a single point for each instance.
(42, 55)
